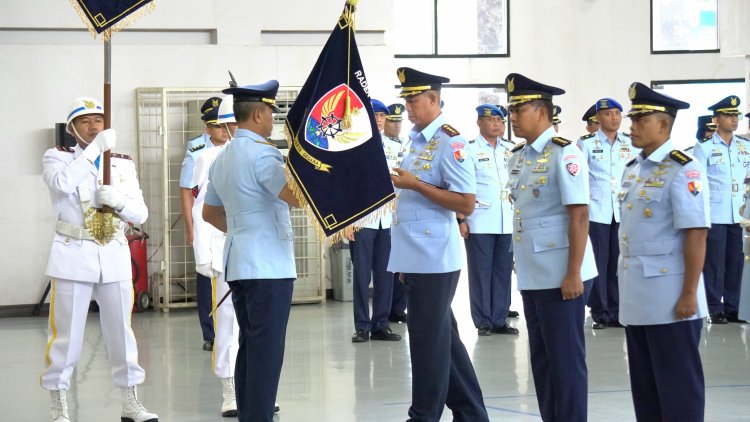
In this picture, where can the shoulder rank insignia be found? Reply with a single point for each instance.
(743, 138)
(197, 148)
(705, 139)
(627, 135)
(450, 130)
(561, 141)
(518, 147)
(630, 163)
(65, 149)
(680, 157)
(265, 143)
(590, 135)
(472, 141)
(123, 156)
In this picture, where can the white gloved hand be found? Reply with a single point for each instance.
(205, 270)
(107, 195)
(104, 141)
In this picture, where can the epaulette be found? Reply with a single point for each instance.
(450, 130)
(472, 141)
(590, 135)
(265, 142)
(519, 146)
(65, 149)
(680, 157)
(197, 148)
(561, 141)
(123, 156)
(631, 162)
(705, 139)
(690, 148)
(743, 138)
(625, 134)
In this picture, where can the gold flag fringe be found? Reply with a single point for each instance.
(119, 26)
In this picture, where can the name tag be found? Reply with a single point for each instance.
(484, 159)
(598, 151)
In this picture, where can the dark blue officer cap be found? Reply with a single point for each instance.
(522, 89)
(727, 106)
(607, 103)
(414, 82)
(395, 112)
(210, 110)
(264, 93)
(747, 115)
(378, 106)
(705, 123)
(487, 110)
(646, 101)
(590, 115)
(556, 110)
(504, 110)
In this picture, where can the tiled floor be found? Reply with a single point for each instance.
(327, 378)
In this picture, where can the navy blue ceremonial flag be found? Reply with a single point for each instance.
(336, 158)
(104, 15)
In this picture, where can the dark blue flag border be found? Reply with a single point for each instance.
(91, 13)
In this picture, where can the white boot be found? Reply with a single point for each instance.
(229, 405)
(58, 406)
(133, 410)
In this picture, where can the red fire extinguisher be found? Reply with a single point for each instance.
(138, 259)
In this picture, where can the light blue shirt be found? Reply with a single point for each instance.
(606, 164)
(545, 177)
(195, 147)
(660, 198)
(493, 213)
(425, 236)
(726, 166)
(246, 179)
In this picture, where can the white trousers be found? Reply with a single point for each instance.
(226, 330)
(68, 309)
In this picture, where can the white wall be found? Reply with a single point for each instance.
(592, 48)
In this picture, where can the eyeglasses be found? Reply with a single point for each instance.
(214, 126)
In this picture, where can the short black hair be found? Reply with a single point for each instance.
(547, 105)
(244, 109)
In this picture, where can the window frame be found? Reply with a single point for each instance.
(436, 35)
(651, 35)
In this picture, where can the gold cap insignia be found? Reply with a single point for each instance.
(511, 85)
(487, 112)
(733, 100)
(215, 102)
(89, 104)
(397, 110)
(602, 103)
(631, 92)
(401, 76)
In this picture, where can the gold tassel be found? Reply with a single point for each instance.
(347, 111)
(119, 26)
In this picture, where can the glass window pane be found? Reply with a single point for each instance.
(414, 27)
(472, 27)
(460, 105)
(680, 25)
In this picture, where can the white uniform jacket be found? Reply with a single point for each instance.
(72, 181)
(208, 241)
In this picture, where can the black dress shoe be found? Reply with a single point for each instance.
(484, 331)
(360, 337)
(512, 314)
(599, 325)
(385, 334)
(276, 409)
(505, 329)
(615, 324)
(717, 318)
(736, 319)
(399, 317)
(208, 346)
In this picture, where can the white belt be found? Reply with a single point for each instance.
(77, 232)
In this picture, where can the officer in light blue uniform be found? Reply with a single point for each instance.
(391, 139)
(369, 248)
(706, 128)
(592, 124)
(549, 185)
(556, 110)
(196, 147)
(665, 217)
(606, 152)
(248, 198)
(487, 231)
(726, 158)
(435, 180)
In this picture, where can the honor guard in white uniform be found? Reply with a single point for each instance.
(369, 248)
(665, 217)
(487, 231)
(549, 185)
(435, 180)
(392, 132)
(592, 124)
(725, 157)
(606, 151)
(208, 246)
(248, 198)
(83, 266)
(215, 135)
